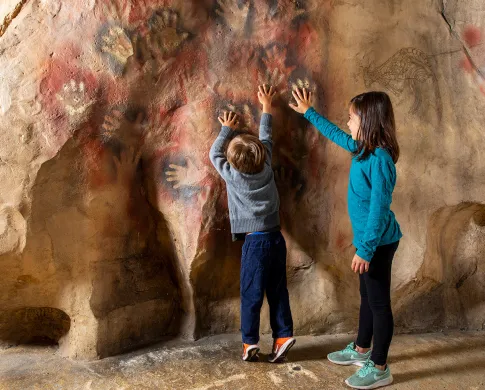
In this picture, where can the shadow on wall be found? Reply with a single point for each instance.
(34, 325)
(92, 252)
(448, 291)
(215, 271)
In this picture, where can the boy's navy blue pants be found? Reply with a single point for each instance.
(263, 269)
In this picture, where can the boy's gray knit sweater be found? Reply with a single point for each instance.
(253, 198)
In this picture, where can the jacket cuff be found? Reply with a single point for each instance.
(308, 112)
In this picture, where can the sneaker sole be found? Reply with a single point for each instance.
(251, 355)
(347, 363)
(381, 383)
(281, 355)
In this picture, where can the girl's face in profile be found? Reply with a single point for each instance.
(353, 124)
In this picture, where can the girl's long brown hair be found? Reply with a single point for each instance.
(377, 124)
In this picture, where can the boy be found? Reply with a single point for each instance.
(254, 215)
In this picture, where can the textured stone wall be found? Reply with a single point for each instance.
(113, 224)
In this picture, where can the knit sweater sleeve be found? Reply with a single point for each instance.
(266, 135)
(217, 153)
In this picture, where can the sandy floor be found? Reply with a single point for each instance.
(431, 361)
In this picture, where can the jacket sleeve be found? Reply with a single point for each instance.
(383, 175)
(330, 130)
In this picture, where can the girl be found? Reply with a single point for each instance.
(375, 150)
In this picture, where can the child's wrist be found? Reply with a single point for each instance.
(267, 108)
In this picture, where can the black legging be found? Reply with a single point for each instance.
(375, 317)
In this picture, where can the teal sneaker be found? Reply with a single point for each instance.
(370, 377)
(349, 356)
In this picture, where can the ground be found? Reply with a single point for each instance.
(431, 361)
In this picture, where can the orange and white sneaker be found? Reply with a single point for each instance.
(250, 352)
(281, 346)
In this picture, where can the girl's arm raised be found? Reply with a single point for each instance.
(324, 126)
(330, 130)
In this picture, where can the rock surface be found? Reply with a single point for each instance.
(113, 224)
(451, 361)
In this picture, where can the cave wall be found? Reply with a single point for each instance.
(114, 230)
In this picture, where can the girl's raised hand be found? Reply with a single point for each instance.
(229, 119)
(303, 100)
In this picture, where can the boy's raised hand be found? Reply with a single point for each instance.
(303, 100)
(265, 96)
(229, 119)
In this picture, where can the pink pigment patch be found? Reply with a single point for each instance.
(58, 74)
(472, 36)
(467, 65)
(306, 38)
(95, 159)
(341, 240)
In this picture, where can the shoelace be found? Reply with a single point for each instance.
(366, 369)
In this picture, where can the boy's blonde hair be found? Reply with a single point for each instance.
(246, 153)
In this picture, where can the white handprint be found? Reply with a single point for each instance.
(118, 44)
(73, 97)
(185, 176)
